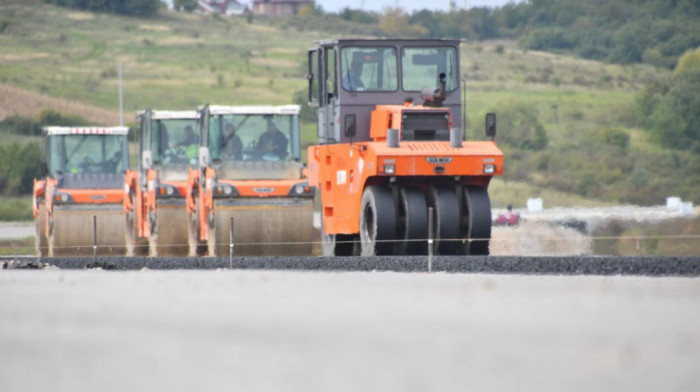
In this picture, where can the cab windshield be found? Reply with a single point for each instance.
(73, 154)
(254, 137)
(174, 141)
(369, 69)
(421, 67)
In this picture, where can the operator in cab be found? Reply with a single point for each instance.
(272, 144)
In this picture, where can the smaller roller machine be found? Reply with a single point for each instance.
(250, 170)
(83, 171)
(154, 202)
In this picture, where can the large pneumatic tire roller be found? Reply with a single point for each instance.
(72, 231)
(265, 227)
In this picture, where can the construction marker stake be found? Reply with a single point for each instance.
(230, 244)
(94, 238)
(430, 239)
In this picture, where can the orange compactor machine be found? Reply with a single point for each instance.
(80, 196)
(154, 200)
(249, 169)
(391, 149)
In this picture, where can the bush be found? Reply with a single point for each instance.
(519, 126)
(615, 137)
(19, 125)
(19, 166)
(123, 7)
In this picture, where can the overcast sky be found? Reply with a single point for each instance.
(408, 5)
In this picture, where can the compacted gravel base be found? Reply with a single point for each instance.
(568, 265)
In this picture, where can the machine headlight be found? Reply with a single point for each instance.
(489, 168)
(225, 190)
(60, 197)
(165, 190)
(389, 169)
(302, 189)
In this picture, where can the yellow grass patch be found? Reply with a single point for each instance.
(154, 27)
(268, 62)
(25, 103)
(285, 50)
(268, 29)
(178, 41)
(23, 56)
(80, 16)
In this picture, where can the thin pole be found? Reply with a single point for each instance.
(94, 238)
(230, 244)
(430, 239)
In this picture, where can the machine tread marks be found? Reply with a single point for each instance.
(446, 221)
(377, 221)
(477, 220)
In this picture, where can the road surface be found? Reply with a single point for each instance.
(262, 330)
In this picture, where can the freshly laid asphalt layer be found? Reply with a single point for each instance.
(570, 265)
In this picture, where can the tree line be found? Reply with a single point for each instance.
(656, 32)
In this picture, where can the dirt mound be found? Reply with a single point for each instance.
(539, 239)
(16, 101)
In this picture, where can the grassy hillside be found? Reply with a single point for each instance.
(179, 61)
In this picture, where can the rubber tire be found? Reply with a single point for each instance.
(412, 225)
(446, 221)
(477, 207)
(377, 221)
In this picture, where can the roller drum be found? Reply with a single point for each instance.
(264, 227)
(72, 231)
(170, 237)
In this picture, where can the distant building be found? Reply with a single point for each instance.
(226, 7)
(279, 7)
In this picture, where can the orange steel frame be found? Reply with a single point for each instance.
(245, 188)
(342, 171)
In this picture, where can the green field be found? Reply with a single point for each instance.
(180, 61)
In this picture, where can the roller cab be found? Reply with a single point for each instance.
(392, 149)
(83, 172)
(250, 170)
(155, 201)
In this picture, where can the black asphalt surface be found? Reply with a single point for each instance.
(582, 265)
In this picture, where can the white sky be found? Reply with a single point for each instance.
(408, 5)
